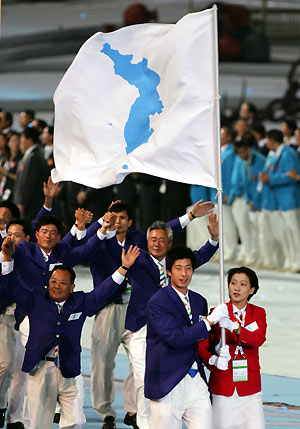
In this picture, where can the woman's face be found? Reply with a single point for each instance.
(14, 143)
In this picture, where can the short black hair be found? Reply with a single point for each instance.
(31, 133)
(252, 108)
(275, 135)
(65, 268)
(49, 220)
(50, 129)
(229, 130)
(121, 207)
(30, 113)
(180, 252)
(247, 140)
(23, 222)
(259, 128)
(249, 273)
(8, 116)
(291, 124)
(15, 212)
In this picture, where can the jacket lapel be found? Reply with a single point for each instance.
(179, 304)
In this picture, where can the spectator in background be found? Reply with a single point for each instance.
(6, 120)
(241, 126)
(288, 128)
(39, 124)
(9, 169)
(26, 117)
(31, 173)
(248, 111)
(47, 141)
(4, 149)
(259, 133)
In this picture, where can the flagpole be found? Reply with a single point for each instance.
(219, 170)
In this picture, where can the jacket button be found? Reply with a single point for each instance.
(58, 323)
(57, 335)
(46, 287)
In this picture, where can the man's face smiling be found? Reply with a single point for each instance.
(158, 243)
(47, 237)
(60, 286)
(181, 274)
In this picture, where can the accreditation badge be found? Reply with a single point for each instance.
(239, 370)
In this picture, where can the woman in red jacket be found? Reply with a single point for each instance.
(235, 372)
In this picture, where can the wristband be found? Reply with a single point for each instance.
(192, 214)
(124, 267)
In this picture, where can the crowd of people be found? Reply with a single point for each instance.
(140, 297)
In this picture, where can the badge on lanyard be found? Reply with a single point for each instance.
(239, 370)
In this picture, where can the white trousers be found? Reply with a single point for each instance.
(108, 333)
(290, 236)
(188, 401)
(137, 348)
(230, 234)
(240, 211)
(18, 386)
(7, 355)
(270, 233)
(238, 412)
(45, 388)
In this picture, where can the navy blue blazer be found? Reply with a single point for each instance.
(144, 280)
(172, 340)
(49, 328)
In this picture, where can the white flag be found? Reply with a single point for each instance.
(140, 99)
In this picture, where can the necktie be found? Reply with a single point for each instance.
(162, 276)
(240, 317)
(56, 362)
(188, 308)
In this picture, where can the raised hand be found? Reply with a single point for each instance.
(109, 220)
(8, 247)
(129, 258)
(201, 209)
(82, 217)
(213, 227)
(112, 203)
(50, 190)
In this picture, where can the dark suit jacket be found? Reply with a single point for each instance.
(28, 190)
(49, 328)
(172, 340)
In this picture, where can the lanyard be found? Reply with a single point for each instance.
(241, 320)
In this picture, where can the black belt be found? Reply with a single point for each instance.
(49, 358)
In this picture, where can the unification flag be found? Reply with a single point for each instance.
(140, 99)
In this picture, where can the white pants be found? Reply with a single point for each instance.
(18, 386)
(238, 412)
(108, 333)
(290, 237)
(45, 388)
(272, 256)
(188, 401)
(137, 348)
(230, 233)
(7, 355)
(240, 211)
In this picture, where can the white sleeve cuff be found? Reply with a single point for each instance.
(73, 230)
(212, 360)
(100, 221)
(100, 235)
(47, 208)
(207, 325)
(7, 267)
(1, 257)
(212, 242)
(3, 233)
(184, 220)
(117, 277)
(110, 234)
(80, 234)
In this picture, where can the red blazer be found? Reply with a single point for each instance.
(220, 382)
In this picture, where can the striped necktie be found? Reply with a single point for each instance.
(56, 350)
(162, 275)
(188, 307)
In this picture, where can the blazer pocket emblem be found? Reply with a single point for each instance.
(74, 316)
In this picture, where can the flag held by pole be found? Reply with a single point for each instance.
(140, 99)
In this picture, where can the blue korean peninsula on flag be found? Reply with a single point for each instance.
(140, 99)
